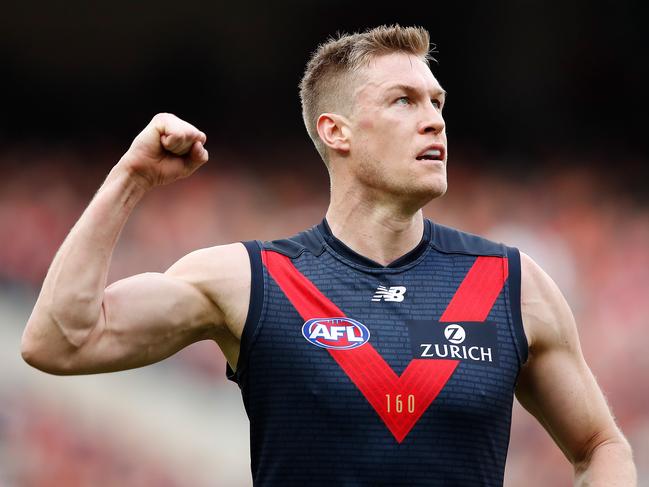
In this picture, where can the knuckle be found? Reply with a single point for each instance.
(163, 117)
(188, 129)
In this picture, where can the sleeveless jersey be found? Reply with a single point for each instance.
(358, 374)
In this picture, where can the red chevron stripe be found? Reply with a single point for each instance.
(422, 379)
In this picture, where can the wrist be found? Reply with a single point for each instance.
(127, 183)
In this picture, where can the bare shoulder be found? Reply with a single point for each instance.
(547, 318)
(222, 273)
(558, 388)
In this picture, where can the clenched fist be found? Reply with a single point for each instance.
(166, 150)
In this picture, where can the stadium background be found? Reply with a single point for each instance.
(547, 129)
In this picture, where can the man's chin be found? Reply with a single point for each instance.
(435, 193)
(431, 189)
(420, 195)
(441, 190)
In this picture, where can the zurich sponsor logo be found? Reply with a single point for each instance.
(455, 333)
(336, 333)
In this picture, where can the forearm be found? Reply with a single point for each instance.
(70, 328)
(609, 465)
(70, 301)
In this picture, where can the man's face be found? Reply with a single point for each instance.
(398, 143)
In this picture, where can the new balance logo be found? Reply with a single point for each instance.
(395, 293)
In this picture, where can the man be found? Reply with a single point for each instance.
(376, 348)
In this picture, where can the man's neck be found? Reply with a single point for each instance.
(377, 232)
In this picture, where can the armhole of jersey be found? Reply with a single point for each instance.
(254, 310)
(514, 265)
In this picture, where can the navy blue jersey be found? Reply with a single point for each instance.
(353, 373)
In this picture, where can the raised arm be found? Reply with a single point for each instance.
(77, 326)
(558, 388)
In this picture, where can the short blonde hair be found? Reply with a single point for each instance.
(327, 84)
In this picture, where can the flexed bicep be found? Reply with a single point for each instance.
(144, 318)
(72, 315)
(148, 317)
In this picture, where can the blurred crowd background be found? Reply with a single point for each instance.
(548, 152)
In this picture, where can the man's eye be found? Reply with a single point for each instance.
(403, 100)
(436, 103)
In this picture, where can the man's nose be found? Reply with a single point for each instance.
(432, 121)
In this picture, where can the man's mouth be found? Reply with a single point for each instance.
(430, 155)
(434, 152)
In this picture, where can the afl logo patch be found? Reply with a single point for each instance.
(336, 333)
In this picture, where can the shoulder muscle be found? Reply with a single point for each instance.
(547, 317)
(222, 274)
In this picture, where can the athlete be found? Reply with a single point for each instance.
(376, 348)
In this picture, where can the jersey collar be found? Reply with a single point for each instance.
(340, 248)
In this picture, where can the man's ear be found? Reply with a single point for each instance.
(334, 131)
